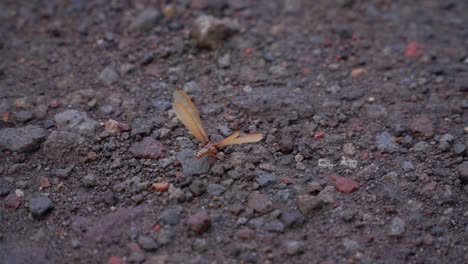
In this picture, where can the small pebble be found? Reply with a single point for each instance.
(89, 180)
(224, 61)
(459, 149)
(265, 179)
(147, 243)
(308, 205)
(397, 227)
(293, 247)
(170, 217)
(215, 189)
(199, 222)
(75, 243)
(40, 206)
(260, 202)
(407, 166)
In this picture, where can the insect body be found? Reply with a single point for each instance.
(209, 148)
(190, 117)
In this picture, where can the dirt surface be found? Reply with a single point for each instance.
(362, 105)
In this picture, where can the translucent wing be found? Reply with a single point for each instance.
(235, 139)
(182, 97)
(188, 120)
(228, 139)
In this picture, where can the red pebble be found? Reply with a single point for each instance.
(413, 50)
(286, 180)
(55, 103)
(6, 116)
(248, 50)
(365, 155)
(319, 134)
(115, 260)
(12, 201)
(45, 183)
(344, 185)
(161, 186)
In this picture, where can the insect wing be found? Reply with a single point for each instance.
(182, 97)
(188, 120)
(228, 139)
(249, 138)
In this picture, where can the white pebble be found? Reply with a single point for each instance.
(19, 193)
(299, 158)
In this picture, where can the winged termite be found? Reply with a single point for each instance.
(190, 117)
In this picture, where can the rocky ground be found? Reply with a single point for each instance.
(363, 105)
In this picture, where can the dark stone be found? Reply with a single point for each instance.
(23, 139)
(260, 202)
(292, 219)
(265, 179)
(192, 165)
(148, 148)
(197, 188)
(170, 217)
(147, 243)
(199, 222)
(308, 205)
(40, 206)
(5, 188)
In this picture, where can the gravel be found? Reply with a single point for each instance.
(199, 222)
(166, 235)
(24, 116)
(144, 126)
(61, 143)
(292, 219)
(462, 170)
(260, 202)
(5, 188)
(170, 217)
(191, 165)
(265, 179)
(215, 189)
(459, 149)
(40, 206)
(89, 180)
(145, 20)
(76, 122)
(22, 139)
(148, 148)
(386, 141)
(108, 76)
(197, 188)
(397, 227)
(224, 61)
(407, 166)
(147, 243)
(210, 32)
(308, 205)
(422, 125)
(293, 247)
(340, 112)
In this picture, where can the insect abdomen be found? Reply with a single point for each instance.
(208, 149)
(202, 152)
